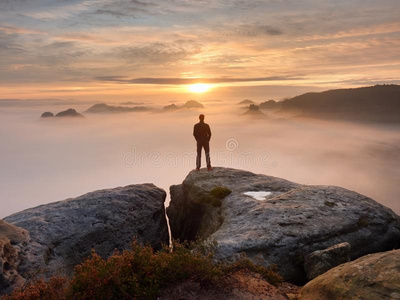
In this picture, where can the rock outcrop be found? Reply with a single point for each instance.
(293, 221)
(62, 234)
(270, 104)
(254, 111)
(379, 103)
(69, 113)
(103, 108)
(12, 242)
(321, 261)
(192, 104)
(246, 102)
(371, 277)
(47, 114)
(170, 107)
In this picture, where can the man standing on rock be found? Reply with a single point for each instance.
(202, 134)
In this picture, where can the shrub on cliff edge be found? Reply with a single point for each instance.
(139, 273)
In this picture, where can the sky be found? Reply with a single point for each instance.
(120, 49)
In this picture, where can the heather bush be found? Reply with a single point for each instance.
(139, 273)
(55, 288)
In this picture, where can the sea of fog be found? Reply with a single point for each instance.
(42, 161)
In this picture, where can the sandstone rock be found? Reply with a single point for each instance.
(293, 221)
(254, 111)
(12, 242)
(246, 102)
(270, 104)
(170, 107)
(47, 114)
(321, 261)
(193, 104)
(371, 277)
(63, 233)
(69, 113)
(103, 108)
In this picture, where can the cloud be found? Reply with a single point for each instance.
(380, 29)
(125, 8)
(179, 81)
(153, 41)
(155, 53)
(9, 45)
(59, 10)
(19, 30)
(257, 30)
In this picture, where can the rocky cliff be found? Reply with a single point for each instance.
(275, 221)
(51, 239)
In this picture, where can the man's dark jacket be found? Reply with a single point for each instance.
(202, 132)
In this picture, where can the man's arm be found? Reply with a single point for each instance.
(209, 133)
(195, 132)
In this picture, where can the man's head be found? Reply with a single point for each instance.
(201, 117)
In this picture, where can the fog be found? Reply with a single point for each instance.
(42, 161)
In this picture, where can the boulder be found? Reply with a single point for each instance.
(62, 234)
(275, 221)
(321, 261)
(12, 242)
(371, 277)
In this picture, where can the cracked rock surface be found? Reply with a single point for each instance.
(293, 221)
(371, 277)
(59, 235)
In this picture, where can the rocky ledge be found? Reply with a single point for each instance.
(371, 277)
(275, 221)
(51, 239)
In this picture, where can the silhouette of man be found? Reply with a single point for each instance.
(202, 134)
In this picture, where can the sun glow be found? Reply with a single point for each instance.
(199, 87)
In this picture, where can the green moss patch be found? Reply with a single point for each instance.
(220, 192)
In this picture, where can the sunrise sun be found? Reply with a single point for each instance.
(199, 87)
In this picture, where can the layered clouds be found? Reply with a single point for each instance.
(68, 45)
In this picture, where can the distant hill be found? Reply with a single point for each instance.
(47, 114)
(246, 102)
(104, 108)
(380, 103)
(69, 113)
(193, 104)
(170, 107)
(254, 111)
(270, 104)
(66, 113)
(189, 104)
